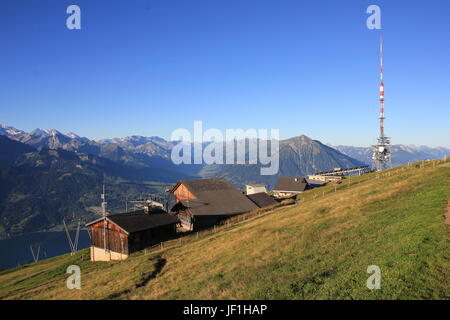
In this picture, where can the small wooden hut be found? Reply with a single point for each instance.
(116, 236)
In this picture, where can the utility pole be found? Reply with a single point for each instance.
(72, 244)
(35, 256)
(104, 214)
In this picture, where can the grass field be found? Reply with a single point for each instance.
(318, 249)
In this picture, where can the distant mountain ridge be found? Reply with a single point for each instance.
(137, 146)
(401, 154)
(153, 146)
(41, 138)
(298, 156)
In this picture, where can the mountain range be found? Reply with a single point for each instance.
(119, 148)
(298, 156)
(401, 154)
(46, 175)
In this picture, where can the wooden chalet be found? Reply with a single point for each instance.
(290, 186)
(204, 202)
(129, 232)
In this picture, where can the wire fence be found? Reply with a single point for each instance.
(404, 170)
(189, 237)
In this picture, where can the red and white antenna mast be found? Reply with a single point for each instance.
(381, 90)
(381, 156)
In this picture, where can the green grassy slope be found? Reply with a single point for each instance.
(319, 249)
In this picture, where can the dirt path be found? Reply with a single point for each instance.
(143, 281)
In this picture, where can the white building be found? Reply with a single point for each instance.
(254, 188)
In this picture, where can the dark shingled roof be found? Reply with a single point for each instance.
(139, 220)
(262, 199)
(289, 184)
(209, 184)
(219, 202)
(216, 196)
(156, 209)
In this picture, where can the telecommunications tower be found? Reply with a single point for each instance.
(381, 156)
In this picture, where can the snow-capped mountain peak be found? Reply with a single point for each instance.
(73, 135)
(39, 132)
(10, 131)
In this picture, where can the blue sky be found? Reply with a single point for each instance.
(147, 67)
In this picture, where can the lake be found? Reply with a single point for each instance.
(16, 250)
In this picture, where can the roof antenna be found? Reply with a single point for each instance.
(104, 213)
(103, 197)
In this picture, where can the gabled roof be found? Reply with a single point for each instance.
(139, 220)
(215, 196)
(294, 184)
(219, 202)
(262, 199)
(201, 185)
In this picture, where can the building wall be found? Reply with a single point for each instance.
(100, 254)
(116, 238)
(325, 178)
(147, 238)
(206, 221)
(252, 189)
(186, 221)
(199, 221)
(318, 178)
(280, 194)
(183, 193)
(119, 244)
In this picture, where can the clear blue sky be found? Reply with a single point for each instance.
(147, 67)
